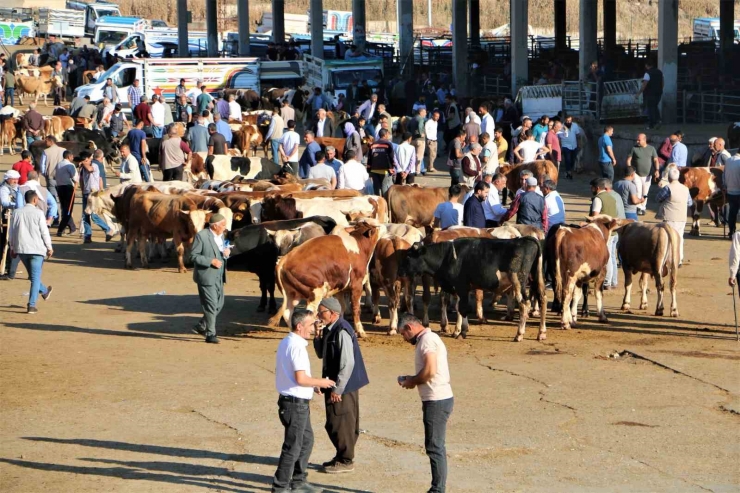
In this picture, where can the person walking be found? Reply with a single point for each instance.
(417, 127)
(381, 161)
(652, 91)
(432, 379)
(66, 177)
(30, 240)
(336, 344)
(644, 159)
(33, 124)
(208, 255)
(431, 129)
(11, 199)
(607, 161)
(172, 158)
(675, 199)
(130, 171)
(295, 387)
(90, 181)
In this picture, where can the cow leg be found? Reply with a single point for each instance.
(368, 295)
(584, 292)
(443, 300)
(674, 300)
(180, 248)
(659, 286)
(567, 317)
(599, 291)
(409, 288)
(129, 248)
(393, 292)
(518, 294)
(577, 292)
(143, 253)
(643, 291)
(696, 209)
(463, 310)
(374, 303)
(479, 305)
(356, 296)
(263, 293)
(426, 298)
(509, 307)
(628, 289)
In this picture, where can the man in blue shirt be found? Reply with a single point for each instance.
(473, 214)
(680, 153)
(308, 158)
(198, 136)
(331, 159)
(222, 127)
(607, 161)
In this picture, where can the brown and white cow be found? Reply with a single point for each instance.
(384, 275)
(650, 250)
(542, 170)
(582, 255)
(249, 137)
(325, 266)
(342, 209)
(225, 168)
(42, 85)
(705, 188)
(335, 142)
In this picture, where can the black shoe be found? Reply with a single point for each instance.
(213, 340)
(198, 330)
(305, 487)
(55, 224)
(6, 277)
(87, 240)
(59, 235)
(49, 289)
(108, 237)
(31, 310)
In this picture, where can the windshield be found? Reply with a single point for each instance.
(108, 74)
(102, 12)
(128, 44)
(111, 37)
(343, 79)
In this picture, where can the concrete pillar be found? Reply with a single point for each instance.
(278, 21)
(212, 27)
(460, 70)
(182, 29)
(726, 33)
(610, 25)
(519, 24)
(587, 26)
(359, 20)
(405, 16)
(316, 15)
(561, 26)
(668, 57)
(474, 22)
(243, 13)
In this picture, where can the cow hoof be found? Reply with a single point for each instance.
(659, 312)
(584, 314)
(626, 307)
(361, 334)
(541, 336)
(643, 306)
(392, 332)
(518, 338)
(694, 232)
(535, 313)
(367, 309)
(442, 329)
(674, 313)
(509, 318)
(565, 326)
(181, 271)
(603, 320)
(260, 308)
(129, 266)
(377, 320)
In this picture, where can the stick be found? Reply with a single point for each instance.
(734, 308)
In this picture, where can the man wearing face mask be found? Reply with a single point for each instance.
(336, 344)
(433, 381)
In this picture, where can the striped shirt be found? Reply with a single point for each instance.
(134, 95)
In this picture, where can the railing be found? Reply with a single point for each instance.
(579, 99)
(709, 107)
(495, 86)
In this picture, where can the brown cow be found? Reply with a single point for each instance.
(37, 86)
(415, 205)
(342, 209)
(335, 142)
(705, 187)
(542, 170)
(384, 274)
(8, 135)
(325, 266)
(652, 250)
(249, 137)
(582, 255)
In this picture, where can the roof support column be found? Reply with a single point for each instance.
(561, 27)
(460, 71)
(316, 16)
(182, 29)
(278, 21)
(212, 27)
(587, 25)
(519, 47)
(405, 16)
(474, 22)
(726, 33)
(359, 19)
(243, 14)
(668, 57)
(610, 26)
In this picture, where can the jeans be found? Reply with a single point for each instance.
(607, 170)
(276, 151)
(86, 219)
(436, 414)
(297, 444)
(157, 132)
(631, 215)
(30, 139)
(10, 95)
(33, 264)
(652, 110)
(734, 201)
(569, 158)
(611, 267)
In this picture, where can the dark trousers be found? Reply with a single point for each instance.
(343, 424)
(10, 96)
(172, 174)
(569, 159)
(652, 110)
(400, 181)
(66, 195)
(455, 176)
(734, 201)
(436, 414)
(297, 444)
(377, 183)
(607, 170)
(491, 224)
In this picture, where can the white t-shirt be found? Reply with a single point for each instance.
(235, 111)
(438, 388)
(290, 141)
(430, 127)
(292, 356)
(321, 170)
(158, 114)
(193, 94)
(529, 150)
(352, 175)
(449, 214)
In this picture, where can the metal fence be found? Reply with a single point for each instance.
(709, 107)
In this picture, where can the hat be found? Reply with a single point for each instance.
(216, 218)
(531, 181)
(332, 304)
(12, 174)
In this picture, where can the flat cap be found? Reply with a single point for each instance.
(216, 218)
(331, 304)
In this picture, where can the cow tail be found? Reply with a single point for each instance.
(275, 319)
(558, 274)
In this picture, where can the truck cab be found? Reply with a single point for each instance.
(111, 30)
(160, 43)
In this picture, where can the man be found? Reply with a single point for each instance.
(30, 240)
(652, 90)
(488, 155)
(528, 149)
(405, 161)
(530, 207)
(472, 169)
(431, 129)
(381, 160)
(216, 143)
(275, 133)
(644, 160)
(53, 155)
(33, 124)
(90, 181)
(89, 110)
(318, 101)
(472, 129)
(454, 158)
(383, 123)
(289, 148)
(172, 158)
(194, 93)
(134, 94)
(198, 135)
(235, 111)
(46, 203)
(287, 113)
(143, 113)
(296, 388)
(607, 161)
(554, 204)
(77, 104)
(66, 177)
(332, 161)
(731, 181)
(604, 203)
(130, 171)
(34, 58)
(323, 126)
(308, 158)
(116, 122)
(487, 124)
(450, 213)
(11, 199)
(203, 100)
(501, 144)
(721, 156)
(23, 167)
(353, 174)
(552, 142)
(139, 148)
(433, 381)
(157, 112)
(110, 91)
(418, 133)
(367, 110)
(59, 74)
(336, 344)
(208, 255)
(679, 153)
(223, 128)
(99, 162)
(183, 111)
(222, 108)
(492, 207)
(180, 90)
(630, 196)
(321, 170)
(675, 198)
(474, 215)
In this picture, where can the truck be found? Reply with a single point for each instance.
(294, 23)
(162, 76)
(707, 29)
(93, 12)
(161, 43)
(64, 23)
(337, 75)
(112, 29)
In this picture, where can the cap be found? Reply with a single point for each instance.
(216, 218)
(332, 304)
(531, 181)
(12, 174)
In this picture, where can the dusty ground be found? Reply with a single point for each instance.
(107, 390)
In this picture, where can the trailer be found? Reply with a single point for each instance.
(64, 23)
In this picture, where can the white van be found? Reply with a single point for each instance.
(707, 29)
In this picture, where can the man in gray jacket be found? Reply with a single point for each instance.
(208, 255)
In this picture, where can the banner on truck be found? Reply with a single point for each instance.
(12, 32)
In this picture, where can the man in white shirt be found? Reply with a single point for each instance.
(193, 93)
(289, 148)
(489, 154)
(487, 124)
(130, 172)
(430, 127)
(405, 161)
(492, 207)
(235, 111)
(296, 388)
(322, 170)
(450, 213)
(554, 203)
(470, 116)
(523, 176)
(353, 174)
(367, 110)
(157, 117)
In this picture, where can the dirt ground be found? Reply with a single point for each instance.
(106, 389)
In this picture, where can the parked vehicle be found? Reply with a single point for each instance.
(161, 43)
(93, 12)
(111, 30)
(294, 23)
(707, 29)
(337, 75)
(64, 23)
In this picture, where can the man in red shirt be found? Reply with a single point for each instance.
(552, 142)
(23, 167)
(143, 112)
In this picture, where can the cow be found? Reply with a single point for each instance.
(404, 231)
(335, 142)
(221, 167)
(257, 248)
(110, 148)
(389, 252)
(249, 137)
(557, 305)
(415, 205)
(8, 133)
(37, 86)
(651, 250)
(581, 255)
(325, 266)
(249, 100)
(342, 209)
(482, 263)
(542, 170)
(705, 187)
(58, 125)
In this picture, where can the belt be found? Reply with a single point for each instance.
(290, 398)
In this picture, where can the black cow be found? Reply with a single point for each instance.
(109, 148)
(480, 263)
(256, 248)
(37, 150)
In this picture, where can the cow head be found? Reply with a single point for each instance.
(606, 224)
(196, 218)
(415, 262)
